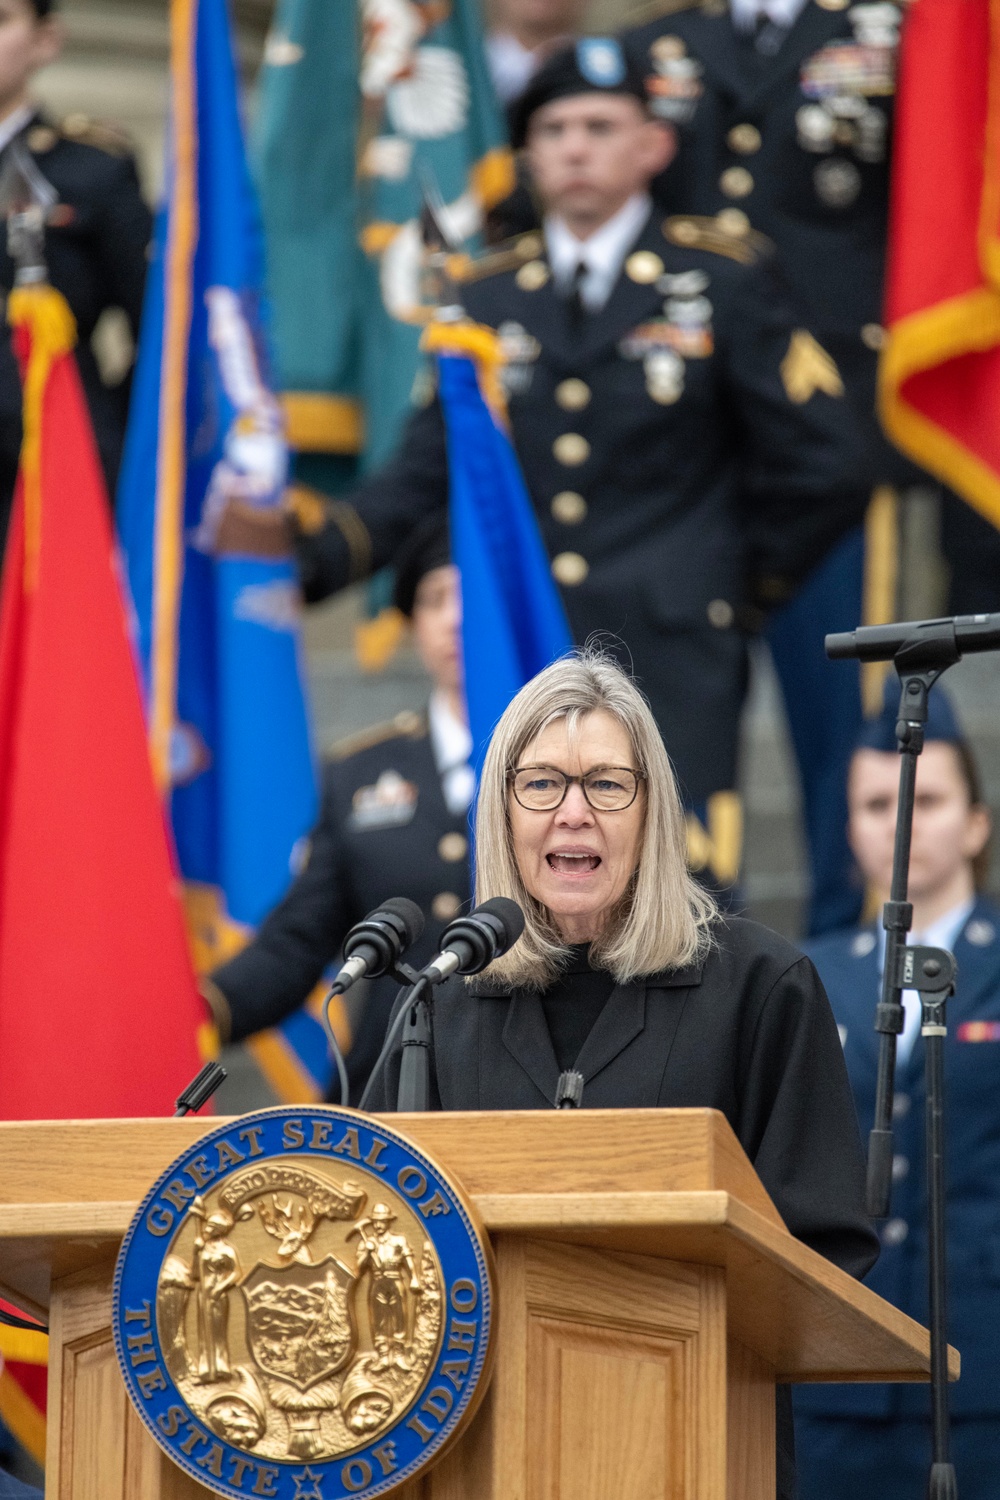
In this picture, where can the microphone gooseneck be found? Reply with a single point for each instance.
(372, 947)
(467, 946)
(377, 943)
(470, 943)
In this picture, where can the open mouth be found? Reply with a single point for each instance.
(573, 864)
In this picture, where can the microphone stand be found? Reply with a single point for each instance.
(414, 1092)
(931, 971)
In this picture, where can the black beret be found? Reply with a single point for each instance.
(942, 723)
(593, 65)
(425, 549)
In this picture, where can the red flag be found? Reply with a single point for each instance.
(99, 1010)
(940, 371)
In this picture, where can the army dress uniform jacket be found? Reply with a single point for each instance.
(848, 962)
(684, 439)
(96, 240)
(796, 145)
(384, 830)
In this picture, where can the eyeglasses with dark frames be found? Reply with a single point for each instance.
(606, 788)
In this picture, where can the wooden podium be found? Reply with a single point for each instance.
(649, 1299)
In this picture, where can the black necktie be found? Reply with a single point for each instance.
(575, 310)
(768, 35)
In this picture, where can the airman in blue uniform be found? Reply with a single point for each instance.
(864, 1441)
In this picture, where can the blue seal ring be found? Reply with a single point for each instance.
(250, 1176)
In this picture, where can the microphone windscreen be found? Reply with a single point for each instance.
(409, 914)
(508, 914)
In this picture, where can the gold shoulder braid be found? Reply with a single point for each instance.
(509, 256)
(405, 725)
(103, 134)
(653, 9)
(727, 233)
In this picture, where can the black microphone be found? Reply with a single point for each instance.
(377, 943)
(941, 640)
(470, 943)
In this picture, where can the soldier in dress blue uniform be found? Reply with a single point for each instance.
(680, 432)
(393, 823)
(97, 231)
(784, 113)
(864, 1442)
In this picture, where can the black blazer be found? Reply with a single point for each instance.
(747, 1031)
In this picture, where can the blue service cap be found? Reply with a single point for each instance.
(942, 723)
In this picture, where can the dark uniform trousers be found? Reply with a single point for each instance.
(678, 445)
(384, 830)
(96, 240)
(747, 1031)
(863, 1442)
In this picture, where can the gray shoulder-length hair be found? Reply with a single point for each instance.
(665, 917)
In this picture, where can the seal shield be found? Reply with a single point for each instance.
(303, 1306)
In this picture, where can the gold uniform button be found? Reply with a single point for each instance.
(873, 336)
(41, 139)
(720, 614)
(530, 246)
(734, 222)
(569, 568)
(446, 905)
(569, 507)
(452, 847)
(572, 395)
(644, 266)
(833, 4)
(745, 139)
(532, 276)
(736, 182)
(571, 449)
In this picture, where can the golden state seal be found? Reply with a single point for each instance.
(303, 1307)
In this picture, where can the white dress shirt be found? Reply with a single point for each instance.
(451, 743)
(783, 13)
(944, 933)
(14, 123)
(602, 255)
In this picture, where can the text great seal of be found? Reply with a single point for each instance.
(303, 1307)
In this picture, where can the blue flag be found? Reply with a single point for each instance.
(217, 636)
(513, 622)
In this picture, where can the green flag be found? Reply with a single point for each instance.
(362, 104)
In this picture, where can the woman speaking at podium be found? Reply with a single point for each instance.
(628, 974)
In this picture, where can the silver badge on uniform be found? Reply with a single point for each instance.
(876, 25)
(390, 803)
(520, 351)
(837, 182)
(664, 371)
(675, 85)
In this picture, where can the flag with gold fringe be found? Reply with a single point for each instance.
(99, 1013)
(513, 621)
(366, 106)
(940, 371)
(217, 633)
